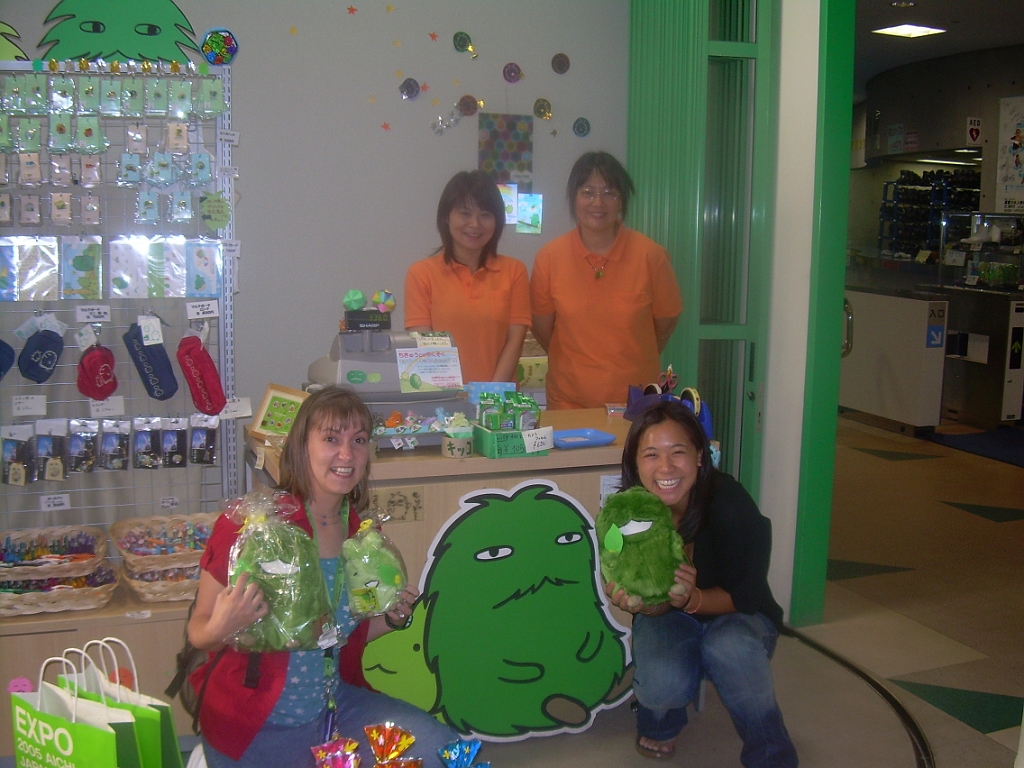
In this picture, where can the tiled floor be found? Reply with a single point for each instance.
(925, 593)
(926, 590)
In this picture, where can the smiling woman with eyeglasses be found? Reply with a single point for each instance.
(605, 298)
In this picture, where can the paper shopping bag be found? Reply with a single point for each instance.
(55, 727)
(44, 735)
(170, 750)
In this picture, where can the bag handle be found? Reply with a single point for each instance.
(85, 657)
(131, 661)
(103, 645)
(74, 694)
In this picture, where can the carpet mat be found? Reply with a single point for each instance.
(1003, 444)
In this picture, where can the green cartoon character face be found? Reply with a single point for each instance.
(517, 632)
(395, 663)
(118, 30)
(640, 548)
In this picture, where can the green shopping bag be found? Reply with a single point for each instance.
(88, 683)
(54, 727)
(169, 748)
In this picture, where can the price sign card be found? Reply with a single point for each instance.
(542, 439)
(112, 406)
(428, 370)
(237, 408)
(96, 313)
(55, 502)
(28, 405)
(201, 310)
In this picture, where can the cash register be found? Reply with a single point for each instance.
(364, 357)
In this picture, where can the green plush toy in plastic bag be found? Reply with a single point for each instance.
(374, 570)
(284, 562)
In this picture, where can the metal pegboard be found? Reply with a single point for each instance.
(103, 496)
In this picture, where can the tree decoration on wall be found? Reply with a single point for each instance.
(118, 30)
(517, 632)
(9, 51)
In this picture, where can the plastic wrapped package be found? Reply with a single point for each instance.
(284, 562)
(374, 570)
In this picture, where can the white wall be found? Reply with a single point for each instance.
(328, 200)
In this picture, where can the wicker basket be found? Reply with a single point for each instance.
(160, 591)
(153, 525)
(80, 599)
(55, 570)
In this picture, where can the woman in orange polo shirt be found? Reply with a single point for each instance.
(605, 298)
(467, 288)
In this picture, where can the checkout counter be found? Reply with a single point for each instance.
(933, 342)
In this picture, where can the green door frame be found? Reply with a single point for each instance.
(668, 155)
(824, 337)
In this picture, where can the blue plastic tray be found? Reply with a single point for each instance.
(582, 438)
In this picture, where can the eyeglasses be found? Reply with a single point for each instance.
(589, 193)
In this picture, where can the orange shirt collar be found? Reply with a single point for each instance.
(490, 265)
(614, 253)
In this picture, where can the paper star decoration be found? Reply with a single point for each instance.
(397, 43)
(424, 87)
(352, 10)
(455, 83)
(433, 36)
(386, 126)
(373, 99)
(389, 8)
(435, 101)
(398, 74)
(293, 31)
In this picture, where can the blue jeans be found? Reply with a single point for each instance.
(289, 746)
(673, 652)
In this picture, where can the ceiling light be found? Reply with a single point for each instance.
(946, 162)
(903, 4)
(968, 151)
(908, 30)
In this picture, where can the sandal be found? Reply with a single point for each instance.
(657, 754)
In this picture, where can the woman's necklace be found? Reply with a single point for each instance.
(324, 522)
(598, 270)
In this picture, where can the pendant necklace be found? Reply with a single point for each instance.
(598, 271)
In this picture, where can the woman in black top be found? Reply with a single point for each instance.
(725, 625)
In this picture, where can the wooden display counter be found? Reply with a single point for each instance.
(421, 488)
(153, 631)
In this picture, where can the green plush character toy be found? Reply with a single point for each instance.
(374, 571)
(640, 548)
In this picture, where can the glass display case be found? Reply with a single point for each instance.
(990, 257)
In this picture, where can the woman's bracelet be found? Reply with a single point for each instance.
(390, 623)
(700, 599)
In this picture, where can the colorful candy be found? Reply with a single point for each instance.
(99, 577)
(42, 551)
(182, 536)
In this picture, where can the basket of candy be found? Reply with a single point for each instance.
(163, 585)
(75, 593)
(159, 543)
(60, 552)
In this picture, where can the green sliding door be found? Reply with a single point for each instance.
(702, 152)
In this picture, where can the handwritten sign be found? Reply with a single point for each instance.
(542, 439)
(237, 408)
(112, 406)
(92, 313)
(28, 405)
(229, 137)
(200, 310)
(55, 502)
(169, 502)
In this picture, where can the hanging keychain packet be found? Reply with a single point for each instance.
(115, 444)
(203, 445)
(83, 446)
(284, 562)
(375, 573)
